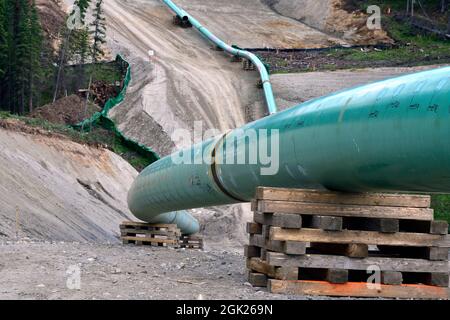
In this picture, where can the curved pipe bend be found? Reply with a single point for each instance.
(265, 79)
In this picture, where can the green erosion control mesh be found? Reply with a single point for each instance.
(102, 119)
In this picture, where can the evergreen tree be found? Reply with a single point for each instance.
(35, 66)
(23, 46)
(98, 32)
(9, 78)
(23, 52)
(3, 39)
(83, 5)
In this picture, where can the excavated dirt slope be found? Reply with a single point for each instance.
(53, 188)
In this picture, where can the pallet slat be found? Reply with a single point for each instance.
(424, 214)
(125, 224)
(357, 289)
(282, 273)
(342, 262)
(319, 196)
(154, 240)
(366, 237)
(125, 232)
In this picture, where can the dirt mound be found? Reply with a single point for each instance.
(19, 126)
(331, 16)
(67, 110)
(353, 25)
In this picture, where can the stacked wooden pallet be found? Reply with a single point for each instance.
(247, 65)
(191, 242)
(163, 235)
(366, 245)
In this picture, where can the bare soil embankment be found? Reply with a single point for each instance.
(332, 17)
(55, 189)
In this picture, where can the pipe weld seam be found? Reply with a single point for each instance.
(215, 175)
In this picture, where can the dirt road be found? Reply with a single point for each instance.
(294, 88)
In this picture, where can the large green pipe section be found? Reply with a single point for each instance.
(267, 86)
(389, 136)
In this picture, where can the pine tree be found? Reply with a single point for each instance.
(23, 49)
(22, 64)
(3, 40)
(98, 32)
(9, 78)
(83, 5)
(35, 67)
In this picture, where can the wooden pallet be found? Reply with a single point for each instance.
(327, 243)
(247, 65)
(163, 235)
(191, 242)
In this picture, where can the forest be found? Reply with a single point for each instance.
(32, 71)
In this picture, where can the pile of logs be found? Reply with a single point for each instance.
(102, 92)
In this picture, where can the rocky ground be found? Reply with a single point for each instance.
(49, 270)
(44, 270)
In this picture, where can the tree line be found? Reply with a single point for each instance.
(28, 64)
(20, 54)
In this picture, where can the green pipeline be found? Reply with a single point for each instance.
(389, 136)
(265, 79)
